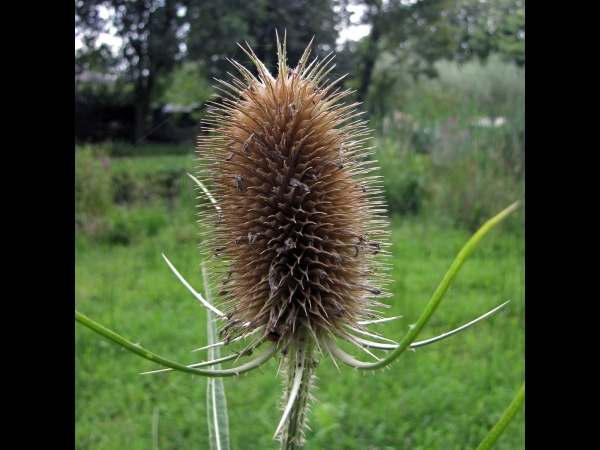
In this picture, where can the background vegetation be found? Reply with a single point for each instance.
(446, 101)
(443, 396)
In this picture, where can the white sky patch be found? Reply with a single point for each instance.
(354, 33)
(113, 42)
(356, 30)
(108, 36)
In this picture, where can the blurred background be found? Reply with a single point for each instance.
(441, 81)
(442, 84)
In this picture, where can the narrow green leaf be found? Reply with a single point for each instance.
(216, 402)
(504, 420)
(155, 428)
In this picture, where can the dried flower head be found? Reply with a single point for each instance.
(300, 221)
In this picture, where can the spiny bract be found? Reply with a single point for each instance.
(299, 220)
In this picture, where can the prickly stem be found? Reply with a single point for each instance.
(292, 435)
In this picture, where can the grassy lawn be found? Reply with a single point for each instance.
(443, 396)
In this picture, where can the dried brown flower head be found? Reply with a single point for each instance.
(300, 221)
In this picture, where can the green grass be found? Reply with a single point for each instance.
(444, 396)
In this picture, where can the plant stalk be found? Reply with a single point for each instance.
(216, 401)
(506, 418)
(300, 363)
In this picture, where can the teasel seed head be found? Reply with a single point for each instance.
(297, 238)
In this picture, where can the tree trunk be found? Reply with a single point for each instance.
(143, 91)
(370, 58)
(142, 105)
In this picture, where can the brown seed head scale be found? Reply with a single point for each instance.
(300, 221)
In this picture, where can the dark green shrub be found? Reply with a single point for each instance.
(147, 181)
(122, 149)
(124, 226)
(93, 188)
(404, 177)
(120, 230)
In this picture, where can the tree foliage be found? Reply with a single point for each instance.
(150, 31)
(396, 25)
(414, 34)
(492, 26)
(157, 36)
(216, 27)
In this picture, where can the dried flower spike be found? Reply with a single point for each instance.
(300, 219)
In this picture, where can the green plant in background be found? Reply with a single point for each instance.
(323, 214)
(188, 85)
(493, 88)
(93, 190)
(455, 144)
(405, 176)
(476, 171)
(124, 200)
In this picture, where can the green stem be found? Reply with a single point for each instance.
(300, 363)
(151, 356)
(441, 290)
(504, 420)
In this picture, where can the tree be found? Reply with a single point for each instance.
(159, 34)
(418, 33)
(151, 32)
(395, 26)
(484, 27)
(216, 27)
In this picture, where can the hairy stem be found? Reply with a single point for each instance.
(300, 370)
